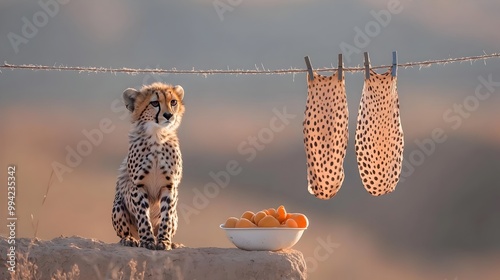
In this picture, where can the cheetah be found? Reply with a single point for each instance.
(144, 209)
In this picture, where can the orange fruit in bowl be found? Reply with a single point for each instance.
(281, 214)
(248, 215)
(291, 223)
(271, 211)
(258, 216)
(269, 221)
(301, 219)
(244, 223)
(267, 218)
(231, 222)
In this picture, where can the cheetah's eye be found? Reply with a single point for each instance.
(155, 103)
(173, 102)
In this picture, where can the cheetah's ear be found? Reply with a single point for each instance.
(180, 91)
(129, 96)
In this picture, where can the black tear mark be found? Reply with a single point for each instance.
(159, 108)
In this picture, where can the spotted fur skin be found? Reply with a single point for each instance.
(379, 135)
(325, 135)
(144, 209)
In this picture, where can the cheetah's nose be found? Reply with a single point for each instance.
(167, 116)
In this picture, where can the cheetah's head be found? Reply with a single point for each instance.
(158, 105)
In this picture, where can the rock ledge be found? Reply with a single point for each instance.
(80, 258)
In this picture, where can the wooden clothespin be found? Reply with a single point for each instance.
(394, 63)
(367, 66)
(340, 71)
(309, 68)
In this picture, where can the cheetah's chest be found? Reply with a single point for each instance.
(159, 166)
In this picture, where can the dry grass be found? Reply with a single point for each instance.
(34, 224)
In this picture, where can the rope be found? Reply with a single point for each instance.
(132, 71)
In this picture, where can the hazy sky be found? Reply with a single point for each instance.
(238, 34)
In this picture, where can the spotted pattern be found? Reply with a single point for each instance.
(145, 206)
(379, 135)
(325, 135)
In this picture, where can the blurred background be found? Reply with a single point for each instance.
(442, 221)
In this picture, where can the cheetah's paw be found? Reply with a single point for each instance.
(148, 244)
(163, 245)
(129, 241)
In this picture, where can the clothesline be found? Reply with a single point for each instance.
(262, 70)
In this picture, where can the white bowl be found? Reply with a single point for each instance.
(263, 239)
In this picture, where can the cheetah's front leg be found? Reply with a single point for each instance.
(122, 222)
(141, 212)
(166, 227)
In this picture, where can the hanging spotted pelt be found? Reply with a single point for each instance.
(325, 135)
(379, 135)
